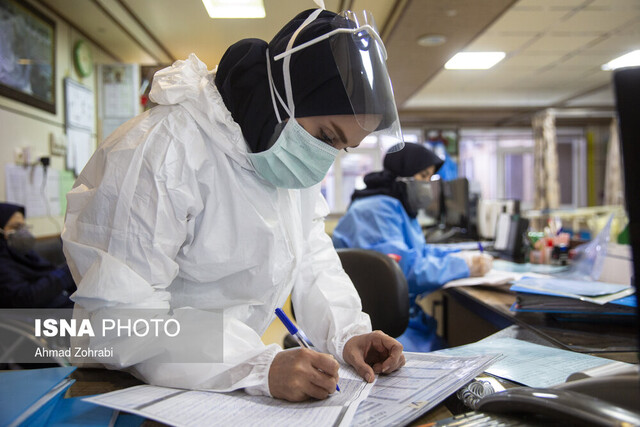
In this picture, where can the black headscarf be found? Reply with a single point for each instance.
(317, 87)
(6, 212)
(30, 259)
(407, 162)
(28, 280)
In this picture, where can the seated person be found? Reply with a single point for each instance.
(382, 217)
(26, 279)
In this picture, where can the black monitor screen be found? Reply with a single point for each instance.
(433, 210)
(455, 195)
(627, 92)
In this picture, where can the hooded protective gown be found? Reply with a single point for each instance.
(170, 213)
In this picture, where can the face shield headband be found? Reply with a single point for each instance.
(360, 57)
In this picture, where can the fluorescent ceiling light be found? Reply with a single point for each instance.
(630, 59)
(474, 60)
(234, 8)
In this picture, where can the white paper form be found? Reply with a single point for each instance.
(492, 278)
(79, 149)
(203, 408)
(24, 186)
(530, 364)
(426, 380)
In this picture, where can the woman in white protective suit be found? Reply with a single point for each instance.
(211, 201)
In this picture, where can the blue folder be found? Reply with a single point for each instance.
(35, 398)
(21, 390)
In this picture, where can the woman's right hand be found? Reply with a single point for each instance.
(300, 374)
(479, 263)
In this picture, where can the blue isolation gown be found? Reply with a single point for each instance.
(380, 223)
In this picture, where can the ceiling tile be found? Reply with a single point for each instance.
(598, 20)
(603, 97)
(492, 42)
(531, 58)
(561, 43)
(526, 20)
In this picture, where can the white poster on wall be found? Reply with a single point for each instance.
(26, 186)
(79, 149)
(118, 94)
(80, 106)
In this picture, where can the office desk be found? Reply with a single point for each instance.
(475, 312)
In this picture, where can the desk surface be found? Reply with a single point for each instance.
(616, 341)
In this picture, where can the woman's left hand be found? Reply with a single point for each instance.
(375, 352)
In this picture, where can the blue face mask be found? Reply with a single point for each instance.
(296, 160)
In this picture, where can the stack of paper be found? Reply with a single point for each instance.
(492, 278)
(560, 296)
(395, 399)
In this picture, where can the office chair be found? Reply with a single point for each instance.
(382, 288)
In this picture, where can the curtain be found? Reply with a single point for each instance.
(547, 187)
(613, 182)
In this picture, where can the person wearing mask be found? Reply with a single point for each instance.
(26, 279)
(211, 200)
(382, 217)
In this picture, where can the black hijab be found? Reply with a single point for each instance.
(6, 212)
(29, 259)
(317, 87)
(407, 162)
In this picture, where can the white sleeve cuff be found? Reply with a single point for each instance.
(261, 367)
(361, 326)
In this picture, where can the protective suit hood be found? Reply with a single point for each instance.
(189, 84)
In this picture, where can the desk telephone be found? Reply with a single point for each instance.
(603, 401)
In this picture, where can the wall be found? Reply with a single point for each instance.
(22, 125)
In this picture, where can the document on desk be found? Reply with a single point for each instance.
(590, 291)
(179, 407)
(492, 278)
(426, 380)
(530, 364)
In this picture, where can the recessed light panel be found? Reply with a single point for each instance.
(235, 8)
(474, 60)
(631, 59)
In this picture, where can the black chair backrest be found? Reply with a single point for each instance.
(382, 287)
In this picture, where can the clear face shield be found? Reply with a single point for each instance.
(420, 194)
(361, 57)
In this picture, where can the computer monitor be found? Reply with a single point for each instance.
(430, 216)
(455, 205)
(434, 210)
(627, 93)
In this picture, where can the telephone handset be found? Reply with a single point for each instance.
(606, 401)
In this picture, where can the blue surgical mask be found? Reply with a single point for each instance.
(296, 159)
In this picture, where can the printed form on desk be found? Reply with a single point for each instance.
(531, 364)
(404, 395)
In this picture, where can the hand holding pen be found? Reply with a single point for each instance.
(300, 374)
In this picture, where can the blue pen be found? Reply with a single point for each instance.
(293, 330)
(480, 247)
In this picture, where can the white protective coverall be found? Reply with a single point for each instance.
(170, 213)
